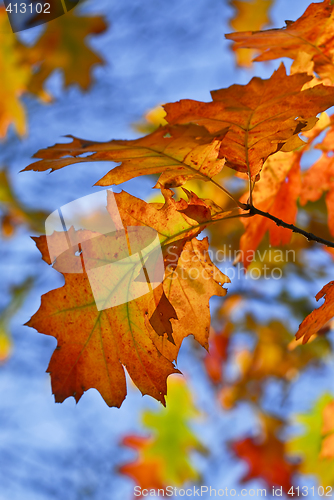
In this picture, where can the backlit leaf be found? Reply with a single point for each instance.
(261, 118)
(94, 344)
(179, 153)
(311, 34)
(319, 317)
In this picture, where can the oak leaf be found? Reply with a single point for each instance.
(319, 317)
(311, 34)
(257, 119)
(179, 153)
(94, 344)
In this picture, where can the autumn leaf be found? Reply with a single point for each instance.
(265, 456)
(179, 153)
(319, 317)
(163, 456)
(308, 446)
(251, 15)
(63, 45)
(94, 344)
(261, 118)
(276, 192)
(311, 35)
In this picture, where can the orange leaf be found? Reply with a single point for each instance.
(94, 344)
(319, 317)
(311, 34)
(179, 153)
(261, 118)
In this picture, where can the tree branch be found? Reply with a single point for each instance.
(311, 237)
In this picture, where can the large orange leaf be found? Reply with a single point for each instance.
(262, 117)
(311, 35)
(251, 15)
(276, 192)
(179, 153)
(319, 317)
(94, 344)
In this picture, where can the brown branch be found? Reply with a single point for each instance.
(311, 237)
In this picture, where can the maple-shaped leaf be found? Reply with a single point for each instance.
(251, 15)
(94, 342)
(63, 46)
(179, 153)
(276, 192)
(261, 118)
(163, 456)
(265, 456)
(319, 317)
(312, 34)
(308, 446)
(15, 76)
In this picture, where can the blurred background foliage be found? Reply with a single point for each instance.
(103, 70)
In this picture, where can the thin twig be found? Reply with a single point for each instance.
(295, 229)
